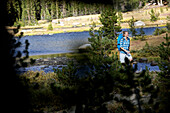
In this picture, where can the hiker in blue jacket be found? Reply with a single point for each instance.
(124, 47)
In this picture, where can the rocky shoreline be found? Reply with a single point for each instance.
(53, 61)
(50, 64)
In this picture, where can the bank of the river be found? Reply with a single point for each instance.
(42, 31)
(83, 23)
(49, 62)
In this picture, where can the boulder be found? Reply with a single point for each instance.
(83, 24)
(143, 60)
(84, 47)
(55, 21)
(75, 24)
(42, 21)
(45, 60)
(139, 23)
(153, 63)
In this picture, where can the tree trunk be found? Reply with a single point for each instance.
(64, 8)
(57, 14)
(161, 2)
(140, 4)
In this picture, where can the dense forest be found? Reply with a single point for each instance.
(27, 12)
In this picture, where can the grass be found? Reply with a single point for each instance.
(78, 56)
(151, 40)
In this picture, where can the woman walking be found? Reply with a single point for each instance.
(125, 48)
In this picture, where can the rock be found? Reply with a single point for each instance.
(50, 34)
(55, 21)
(45, 60)
(84, 47)
(83, 24)
(139, 23)
(42, 21)
(60, 63)
(26, 30)
(75, 24)
(60, 66)
(138, 71)
(143, 60)
(153, 63)
(135, 62)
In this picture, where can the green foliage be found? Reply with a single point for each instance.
(105, 79)
(109, 19)
(164, 77)
(99, 41)
(20, 57)
(29, 11)
(148, 51)
(168, 26)
(120, 17)
(160, 31)
(132, 26)
(50, 27)
(142, 34)
(15, 59)
(154, 16)
(161, 10)
(166, 8)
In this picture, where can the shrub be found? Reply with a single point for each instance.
(50, 27)
(154, 16)
(164, 77)
(160, 31)
(132, 26)
(168, 26)
(161, 10)
(142, 34)
(147, 51)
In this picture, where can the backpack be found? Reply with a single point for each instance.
(118, 41)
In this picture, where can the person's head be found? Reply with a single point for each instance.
(125, 34)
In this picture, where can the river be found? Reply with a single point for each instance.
(63, 42)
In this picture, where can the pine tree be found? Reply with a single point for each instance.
(58, 13)
(53, 9)
(163, 104)
(43, 14)
(132, 26)
(154, 16)
(24, 13)
(109, 21)
(64, 8)
(106, 76)
(142, 33)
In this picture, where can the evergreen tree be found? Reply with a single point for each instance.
(154, 16)
(163, 104)
(64, 8)
(58, 13)
(142, 33)
(132, 26)
(53, 9)
(105, 77)
(109, 21)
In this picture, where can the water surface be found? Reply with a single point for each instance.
(63, 42)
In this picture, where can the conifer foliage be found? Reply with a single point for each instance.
(164, 77)
(106, 80)
(27, 12)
